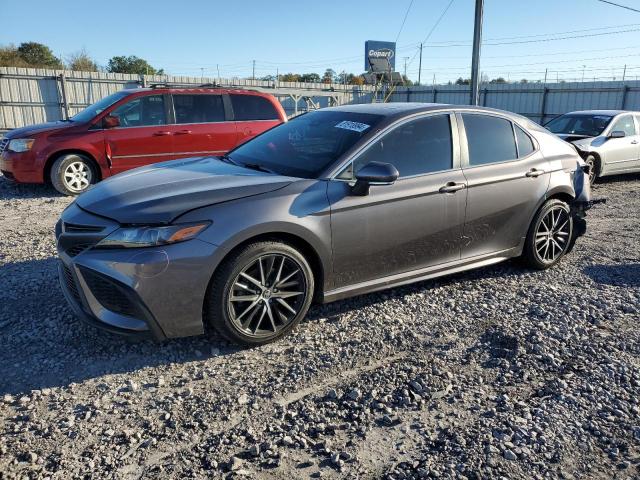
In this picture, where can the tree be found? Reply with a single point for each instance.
(82, 62)
(329, 76)
(133, 65)
(9, 57)
(268, 78)
(310, 78)
(290, 77)
(463, 81)
(38, 55)
(498, 80)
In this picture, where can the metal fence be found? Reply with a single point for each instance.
(29, 96)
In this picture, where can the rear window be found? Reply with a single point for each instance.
(490, 139)
(198, 108)
(525, 144)
(253, 107)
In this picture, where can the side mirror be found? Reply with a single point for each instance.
(617, 134)
(374, 173)
(110, 121)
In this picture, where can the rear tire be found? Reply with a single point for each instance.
(550, 235)
(259, 293)
(73, 174)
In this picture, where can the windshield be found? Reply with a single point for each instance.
(307, 145)
(588, 125)
(91, 111)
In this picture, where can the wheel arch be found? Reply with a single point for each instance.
(55, 156)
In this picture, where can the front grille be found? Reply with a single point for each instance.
(3, 144)
(70, 283)
(78, 248)
(110, 294)
(75, 228)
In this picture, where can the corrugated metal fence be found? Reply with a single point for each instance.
(29, 96)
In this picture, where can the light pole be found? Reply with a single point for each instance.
(475, 59)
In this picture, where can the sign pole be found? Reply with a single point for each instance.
(475, 60)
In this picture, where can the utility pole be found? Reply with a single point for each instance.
(201, 74)
(624, 72)
(405, 66)
(420, 65)
(475, 59)
(546, 70)
(583, 67)
(218, 70)
(253, 74)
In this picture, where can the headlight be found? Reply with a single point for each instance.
(134, 237)
(21, 144)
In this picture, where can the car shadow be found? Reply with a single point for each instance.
(627, 177)
(10, 190)
(623, 275)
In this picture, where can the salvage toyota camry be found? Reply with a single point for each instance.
(335, 203)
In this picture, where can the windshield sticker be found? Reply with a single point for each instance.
(353, 126)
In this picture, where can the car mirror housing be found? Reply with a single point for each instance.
(110, 121)
(374, 173)
(617, 134)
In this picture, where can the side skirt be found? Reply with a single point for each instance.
(421, 274)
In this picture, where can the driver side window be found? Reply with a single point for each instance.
(142, 111)
(625, 124)
(418, 147)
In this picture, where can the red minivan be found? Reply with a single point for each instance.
(132, 128)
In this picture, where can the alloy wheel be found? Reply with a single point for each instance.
(267, 295)
(77, 176)
(592, 170)
(553, 234)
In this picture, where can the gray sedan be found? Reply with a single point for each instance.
(334, 203)
(608, 140)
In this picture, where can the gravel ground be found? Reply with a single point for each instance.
(498, 373)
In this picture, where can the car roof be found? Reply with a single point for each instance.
(197, 89)
(599, 112)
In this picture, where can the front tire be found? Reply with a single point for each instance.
(260, 293)
(73, 174)
(550, 235)
(594, 168)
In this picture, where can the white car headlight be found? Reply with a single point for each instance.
(19, 145)
(136, 237)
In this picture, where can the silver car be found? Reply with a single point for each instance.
(608, 140)
(335, 203)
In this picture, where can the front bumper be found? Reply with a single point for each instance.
(20, 167)
(146, 292)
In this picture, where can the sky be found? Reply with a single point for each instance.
(521, 39)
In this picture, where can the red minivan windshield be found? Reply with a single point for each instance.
(97, 108)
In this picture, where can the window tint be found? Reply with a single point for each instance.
(142, 111)
(418, 147)
(625, 124)
(525, 144)
(253, 107)
(198, 108)
(490, 139)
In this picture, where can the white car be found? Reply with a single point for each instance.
(608, 140)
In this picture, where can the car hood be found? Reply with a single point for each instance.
(573, 138)
(26, 132)
(157, 194)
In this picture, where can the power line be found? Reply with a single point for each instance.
(621, 6)
(404, 20)
(435, 25)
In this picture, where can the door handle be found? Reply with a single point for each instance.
(634, 142)
(452, 187)
(533, 173)
(183, 132)
(161, 133)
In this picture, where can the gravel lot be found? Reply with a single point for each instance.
(500, 372)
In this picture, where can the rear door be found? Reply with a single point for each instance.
(143, 136)
(253, 115)
(412, 224)
(622, 153)
(506, 178)
(201, 125)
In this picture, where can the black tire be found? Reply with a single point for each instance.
(266, 315)
(73, 174)
(540, 235)
(594, 168)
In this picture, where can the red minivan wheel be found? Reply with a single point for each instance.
(72, 174)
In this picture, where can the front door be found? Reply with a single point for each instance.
(412, 224)
(622, 153)
(201, 126)
(143, 136)
(506, 177)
